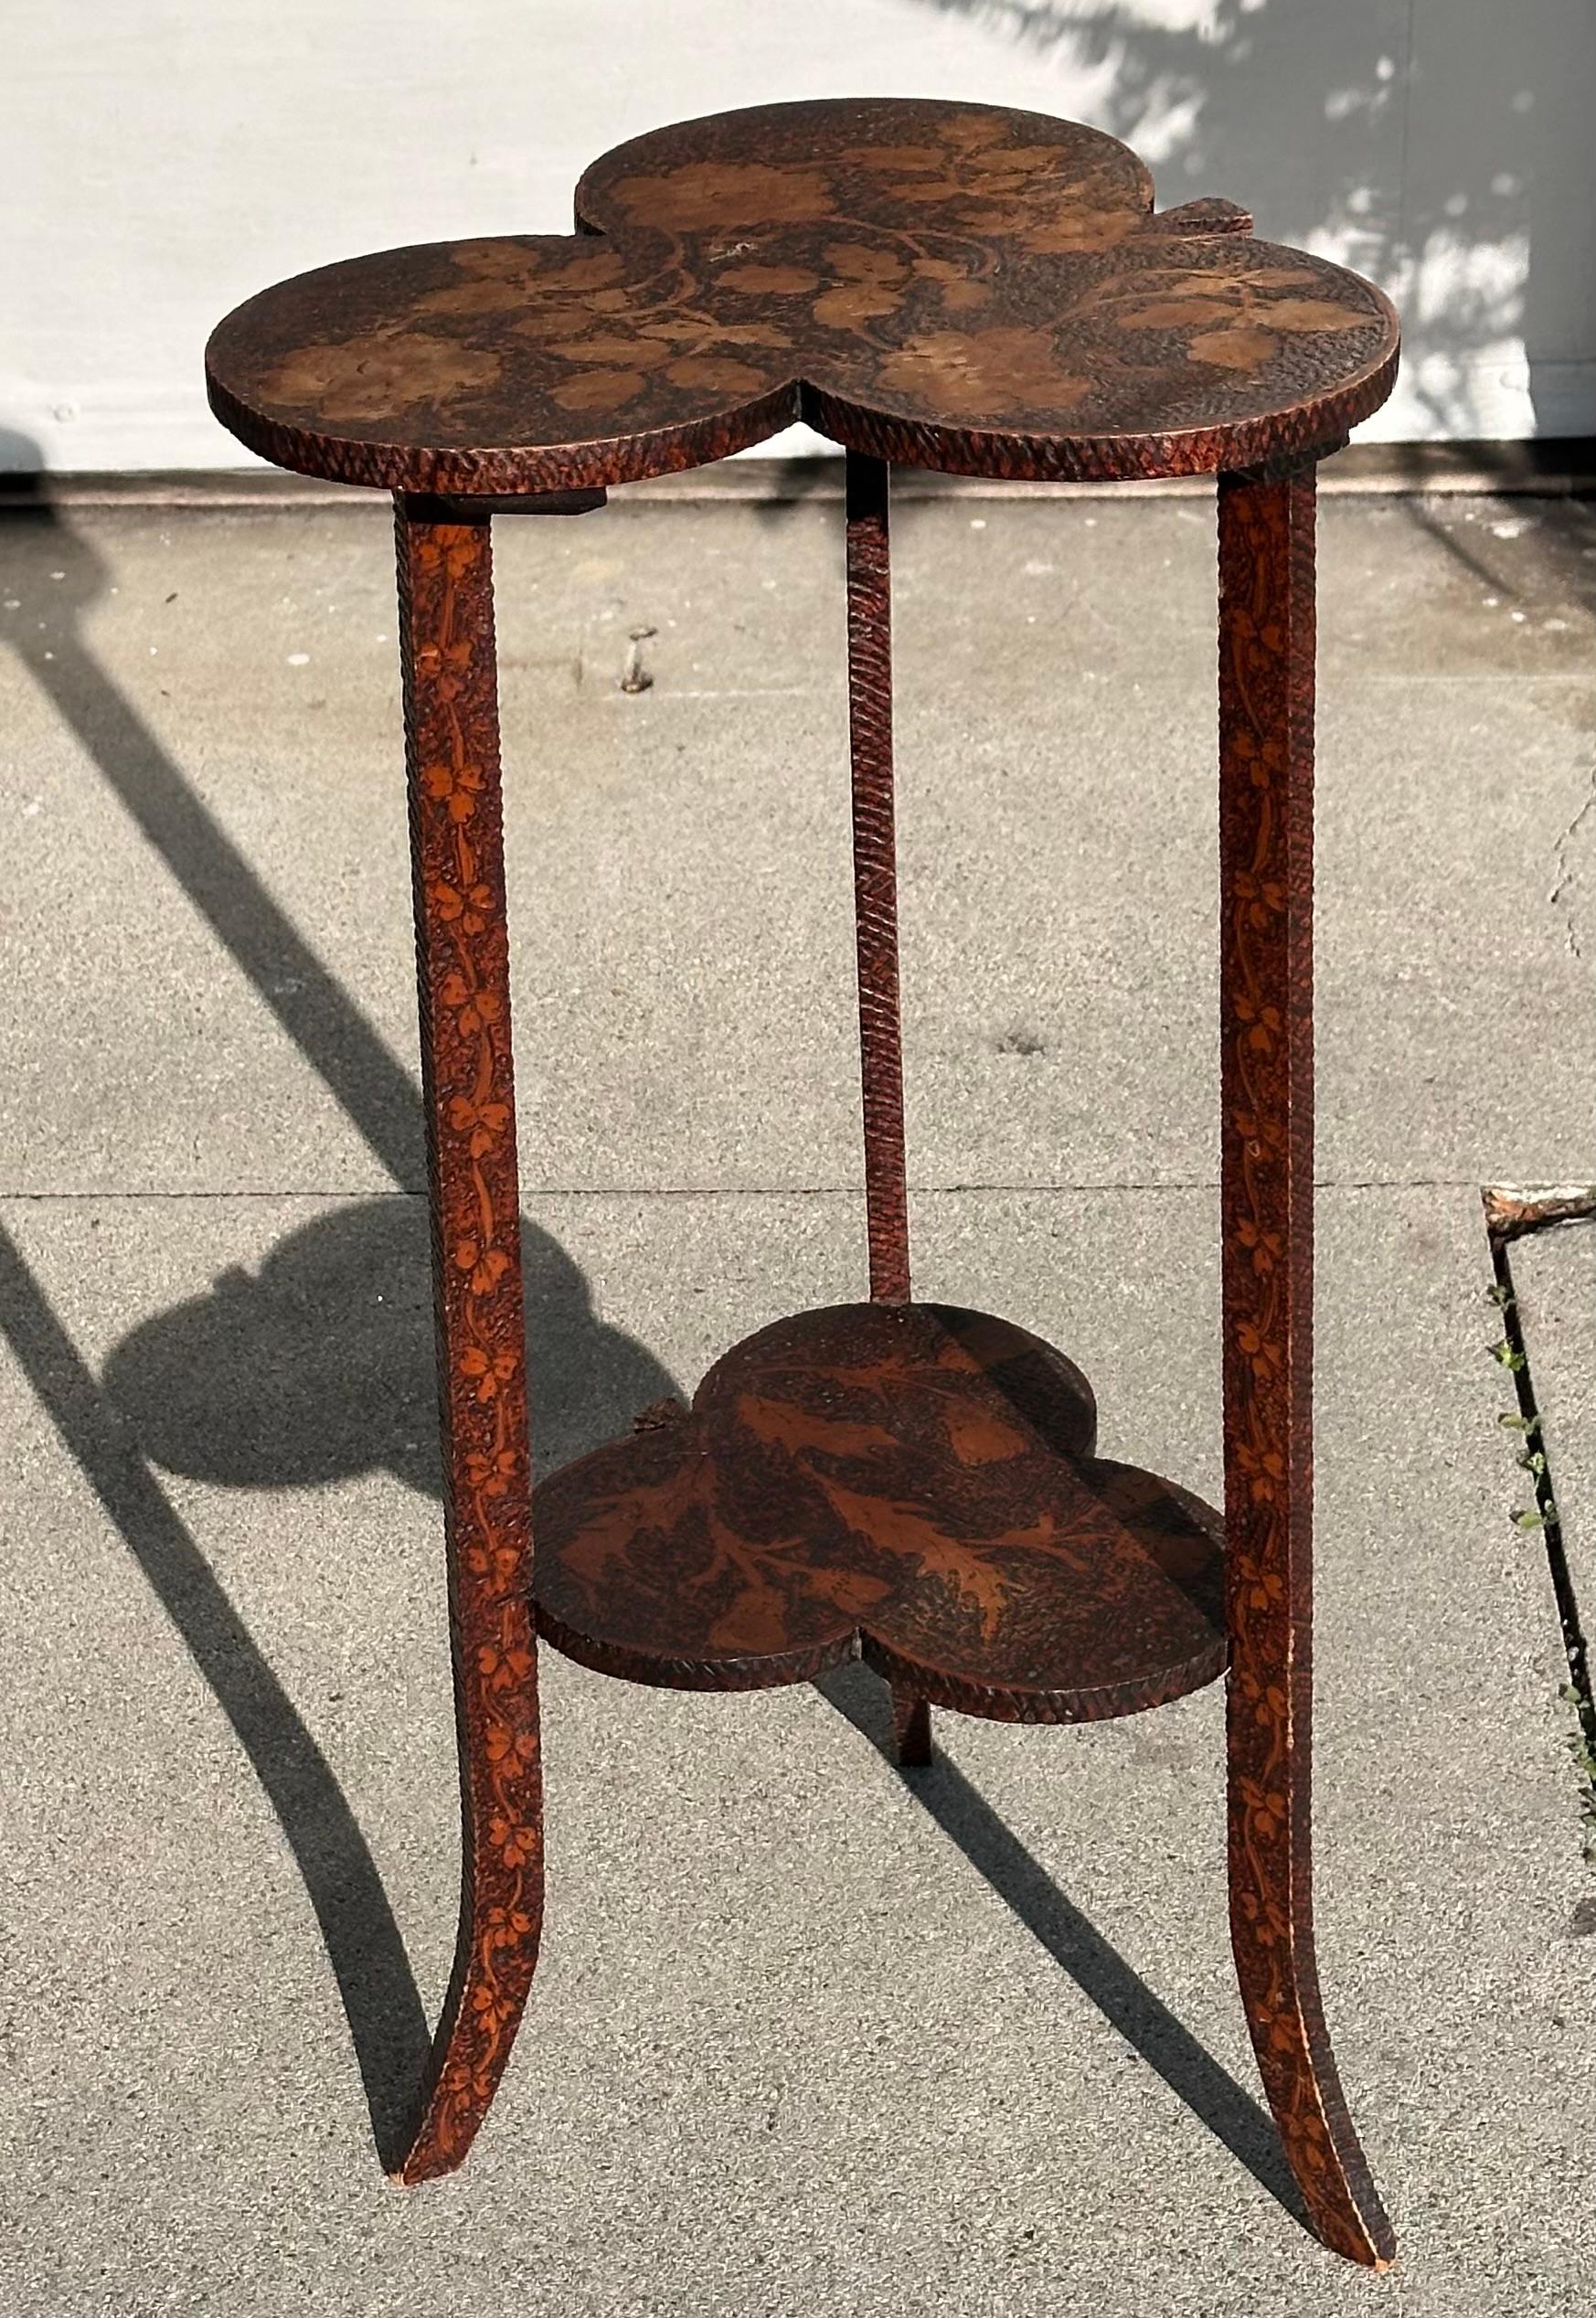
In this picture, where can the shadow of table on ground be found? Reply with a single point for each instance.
(318, 1365)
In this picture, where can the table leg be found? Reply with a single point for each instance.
(452, 751)
(869, 600)
(869, 596)
(911, 1730)
(1266, 840)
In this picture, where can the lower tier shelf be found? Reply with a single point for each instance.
(913, 1483)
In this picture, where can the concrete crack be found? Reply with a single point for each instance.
(1565, 891)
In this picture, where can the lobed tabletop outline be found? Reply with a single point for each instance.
(968, 287)
(914, 1484)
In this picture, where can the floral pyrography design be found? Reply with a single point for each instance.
(952, 265)
(445, 607)
(909, 1479)
(1266, 692)
(978, 292)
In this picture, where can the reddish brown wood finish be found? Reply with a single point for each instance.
(908, 1481)
(911, 1728)
(948, 285)
(869, 616)
(979, 292)
(1266, 850)
(452, 746)
(869, 606)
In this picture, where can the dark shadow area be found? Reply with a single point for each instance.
(319, 1366)
(1099, 1971)
(364, 1947)
(310, 1004)
(320, 1363)
(805, 479)
(1562, 560)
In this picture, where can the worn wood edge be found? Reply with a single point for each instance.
(503, 470)
(1007, 1702)
(778, 1670)
(1556, 467)
(987, 1702)
(1309, 431)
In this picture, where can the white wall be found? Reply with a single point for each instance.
(166, 157)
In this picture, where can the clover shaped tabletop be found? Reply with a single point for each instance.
(951, 285)
(912, 1482)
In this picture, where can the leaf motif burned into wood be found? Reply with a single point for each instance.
(367, 375)
(796, 1428)
(869, 265)
(898, 1525)
(889, 1478)
(978, 1436)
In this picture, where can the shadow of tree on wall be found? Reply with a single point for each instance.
(1443, 151)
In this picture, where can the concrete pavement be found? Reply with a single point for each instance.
(807, 2037)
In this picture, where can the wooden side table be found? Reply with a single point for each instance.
(986, 293)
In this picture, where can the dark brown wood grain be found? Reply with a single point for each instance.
(451, 748)
(869, 612)
(949, 285)
(1266, 839)
(910, 1482)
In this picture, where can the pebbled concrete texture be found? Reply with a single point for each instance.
(807, 2035)
(678, 857)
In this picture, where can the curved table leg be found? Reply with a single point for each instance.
(452, 751)
(1266, 837)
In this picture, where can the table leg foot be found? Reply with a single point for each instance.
(1266, 835)
(452, 751)
(911, 1728)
